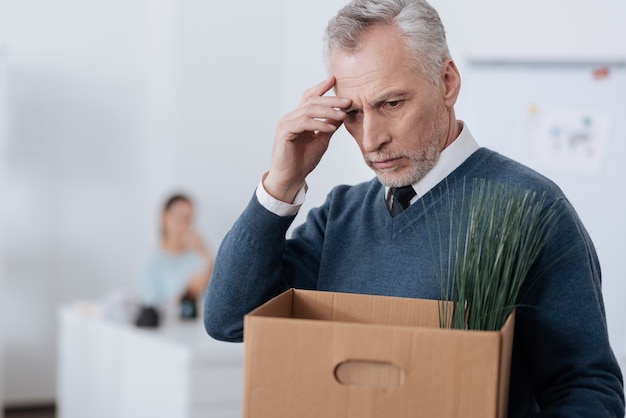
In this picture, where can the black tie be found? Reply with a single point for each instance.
(401, 199)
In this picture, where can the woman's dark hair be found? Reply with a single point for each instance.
(175, 198)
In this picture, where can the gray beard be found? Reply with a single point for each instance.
(416, 172)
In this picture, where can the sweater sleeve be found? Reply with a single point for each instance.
(563, 333)
(256, 262)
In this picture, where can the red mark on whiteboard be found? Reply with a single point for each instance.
(601, 73)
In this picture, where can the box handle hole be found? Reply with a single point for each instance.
(368, 373)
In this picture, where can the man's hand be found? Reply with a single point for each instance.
(302, 137)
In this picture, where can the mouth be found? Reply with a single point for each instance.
(386, 164)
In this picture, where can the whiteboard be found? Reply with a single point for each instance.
(564, 118)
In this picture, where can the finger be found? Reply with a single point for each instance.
(319, 89)
(299, 122)
(329, 101)
(314, 110)
(336, 123)
(312, 126)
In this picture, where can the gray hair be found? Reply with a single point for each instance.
(416, 19)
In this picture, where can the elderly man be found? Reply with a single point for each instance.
(395, 89)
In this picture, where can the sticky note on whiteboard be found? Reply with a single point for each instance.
(563, 139)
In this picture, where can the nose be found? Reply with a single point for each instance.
(374, 132)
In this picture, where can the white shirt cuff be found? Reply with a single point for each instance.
(278, 207)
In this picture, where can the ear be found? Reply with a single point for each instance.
(451, 83)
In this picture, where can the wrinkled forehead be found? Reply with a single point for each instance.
(371, 73)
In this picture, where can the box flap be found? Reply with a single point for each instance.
(369, 309)
(279, 307)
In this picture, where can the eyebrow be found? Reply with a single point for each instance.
(393, 94)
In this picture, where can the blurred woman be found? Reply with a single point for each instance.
(179, 271)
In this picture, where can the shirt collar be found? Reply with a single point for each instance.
(449, 160)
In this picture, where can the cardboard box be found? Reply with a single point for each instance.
(324, 354)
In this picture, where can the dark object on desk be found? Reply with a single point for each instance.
(148, 317)
(188, 308)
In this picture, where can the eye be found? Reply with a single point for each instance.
(352, 113)
(393, 103)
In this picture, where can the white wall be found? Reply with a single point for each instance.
(86, 130)
(114, 103)
(3, 121)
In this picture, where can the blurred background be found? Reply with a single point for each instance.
(106, 107)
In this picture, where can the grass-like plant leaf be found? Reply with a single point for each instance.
(495, 234)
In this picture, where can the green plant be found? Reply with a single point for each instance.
(495, 234)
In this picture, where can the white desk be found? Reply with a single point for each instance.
(109, 369)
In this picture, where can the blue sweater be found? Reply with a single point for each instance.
(562, 363)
